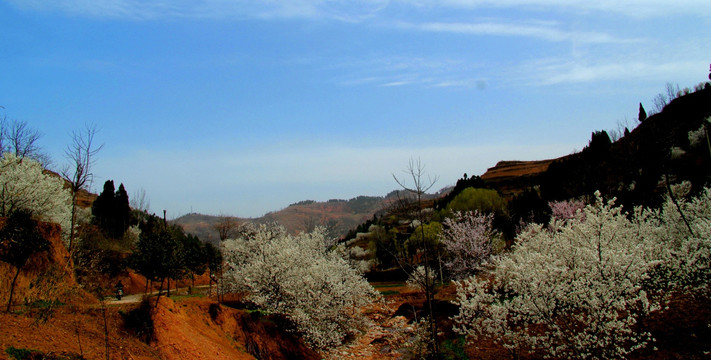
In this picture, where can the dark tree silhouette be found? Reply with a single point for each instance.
(642, 114)
(213, 256)
(102, 208)
(122, 211)
(19, 240)
(111, 210)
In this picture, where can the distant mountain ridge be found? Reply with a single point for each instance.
(338, 215)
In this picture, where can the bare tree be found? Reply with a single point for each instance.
(139, 201)
(662, 100)
(20, 139)
(81, 153)
(416, 172)
(225, 226)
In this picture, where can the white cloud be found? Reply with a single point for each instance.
(533, 30)
(349, 11)
(149, 9)
(566, 71)
(632, 8)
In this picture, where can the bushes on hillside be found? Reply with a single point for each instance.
(482, 200)
(579, 288)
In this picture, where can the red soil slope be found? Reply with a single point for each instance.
(47, 274)
(513, 177)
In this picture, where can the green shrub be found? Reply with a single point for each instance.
(484, 200)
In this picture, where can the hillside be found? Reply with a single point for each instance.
(634, 168)
(511, 178)
(339, 216)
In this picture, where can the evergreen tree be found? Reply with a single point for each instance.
(122, 211)
(159, 252)
(194, 256)
(642, 114)
(111, 210)
(213, 256)
(102, 209)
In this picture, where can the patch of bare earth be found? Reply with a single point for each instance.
(388, 335)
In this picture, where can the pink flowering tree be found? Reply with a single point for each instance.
(565, 210)
(467, 240)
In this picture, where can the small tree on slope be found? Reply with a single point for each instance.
(19, 240)
(467, 238)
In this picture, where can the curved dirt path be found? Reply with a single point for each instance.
(136, 298)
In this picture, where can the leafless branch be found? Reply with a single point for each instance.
(82, 154)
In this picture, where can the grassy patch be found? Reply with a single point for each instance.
(29, 354)
(46, 304)
(186, 296)
(387, 285)
(389, 292)
(454, 349)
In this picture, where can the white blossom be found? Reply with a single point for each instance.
(575, 290)
(294, 276)
(24, 184)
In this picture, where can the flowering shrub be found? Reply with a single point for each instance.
(578, 288)
(467, 239)
(25, 186)
(296, 277)
(685, 250)
(565, 210)
(420, 278)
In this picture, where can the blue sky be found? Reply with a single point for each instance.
(243, 107)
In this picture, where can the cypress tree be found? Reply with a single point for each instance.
(111, 210)
(642, 114)
(122, 212)
(103, 207)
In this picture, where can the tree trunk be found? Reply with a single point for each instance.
(73, 222)
(76, 328)
(12, 289)
(106, 330)
(160, 290)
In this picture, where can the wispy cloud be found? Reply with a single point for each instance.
(632, 8)
(536, 30)
(569, 71)
(392, 71)
(346, 10)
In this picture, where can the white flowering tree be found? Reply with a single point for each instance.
(24, 185)
(685, 248)
(467, 239)
(296, 277)
(574, 291)
(578, 288)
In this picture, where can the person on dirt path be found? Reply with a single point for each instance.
(119, 290)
